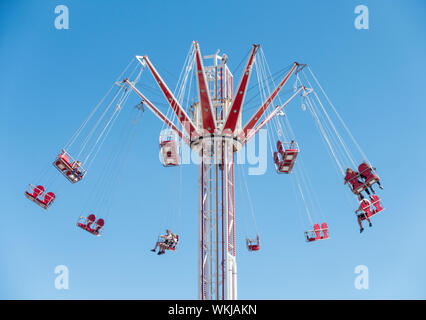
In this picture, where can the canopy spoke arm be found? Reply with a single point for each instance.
(274, 113)
(209, 123)
(236, 106)
(172, 101)
(252, 122)
(157, 112)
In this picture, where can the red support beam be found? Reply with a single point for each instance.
(265, 121)
(236, 106)
(157, 112)
(209, 123)
(252, 122)
(177, 108)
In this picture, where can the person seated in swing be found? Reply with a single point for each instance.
(77, 170)
(365, 213)
(366, 173)
(175, 240)
(352, 178)
(164, 245)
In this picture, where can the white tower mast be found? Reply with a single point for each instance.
(216, 249)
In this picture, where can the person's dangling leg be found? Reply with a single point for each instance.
(361, 229)
(367, 191)
(155, 248)
(161, 251)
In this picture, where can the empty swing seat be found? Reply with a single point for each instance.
(318, 233)
(73, 171)
(38, 196)
(34, 192)
(376, 203)
(324, 228)
(47, 200)
(253, 244)
(288, 152)
(169, 153)
(90, 225)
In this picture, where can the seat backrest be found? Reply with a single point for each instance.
(280, 147)
(38, 190)
(64, 157)
(365, 206)
(376, 203)
(352, 178)
(324, 228)
(99, 224)
(364, 169)
(90, 219)
(317, 231)
(49, 197)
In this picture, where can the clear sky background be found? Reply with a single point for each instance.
(50, 79)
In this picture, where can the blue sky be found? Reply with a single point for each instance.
(50, 79)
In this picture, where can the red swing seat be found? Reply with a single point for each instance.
(66, 166)
(354, 184)
(47, 201)
(169, 153)
(318, 233)
(365, 210)
(376, 203)
(288, 152)
(253, 244)
(86, 224)
(367, 171)
(36, 193)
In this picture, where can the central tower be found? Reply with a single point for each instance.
(217, 268)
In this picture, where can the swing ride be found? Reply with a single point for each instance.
(318, 233)
(169, 148)
(38, 196)
(253, 244)
(285, 157)
(87, 223)
(71, 169)
(205, 114)
(369, 209)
